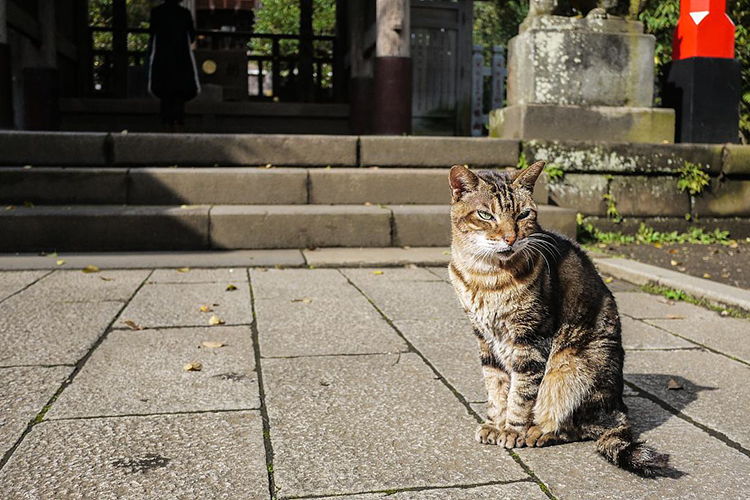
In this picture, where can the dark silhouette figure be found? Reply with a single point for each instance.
(173, 77)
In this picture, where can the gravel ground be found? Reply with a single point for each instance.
(728, 264)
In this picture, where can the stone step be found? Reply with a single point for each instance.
(227, 186)
(128, 228)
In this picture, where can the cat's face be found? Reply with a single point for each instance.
(493, 213)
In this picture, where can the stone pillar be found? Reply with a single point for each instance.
(41, 84)
(361, 71)
(6, 79)
(582, 79)
(393, 75)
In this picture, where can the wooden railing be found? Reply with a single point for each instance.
(273, 60)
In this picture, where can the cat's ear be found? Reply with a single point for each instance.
(527, 177)
(462, 180)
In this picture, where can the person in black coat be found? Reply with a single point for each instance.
(173, 77)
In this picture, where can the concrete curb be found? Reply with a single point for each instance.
(642, 274)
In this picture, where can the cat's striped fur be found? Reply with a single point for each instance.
(548, 328)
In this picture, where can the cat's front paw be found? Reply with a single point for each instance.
(535, 436)
(487, 433)
(512, 438)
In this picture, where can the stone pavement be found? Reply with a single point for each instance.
(327, 382)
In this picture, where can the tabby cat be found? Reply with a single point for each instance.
(548, 328)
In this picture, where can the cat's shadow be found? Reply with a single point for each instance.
(657, 390)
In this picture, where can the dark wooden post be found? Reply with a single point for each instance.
(393, 74)
(120, 48)
(41, 83)
(85, 63)
(361, 70)
(6, 78)
(306, 50)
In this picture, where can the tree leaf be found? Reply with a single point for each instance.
(132, 325)
(90, 269)
(213, 344)
(183, 270)
(674, 385)
(194, 366)
(231, 288)
(215, 320)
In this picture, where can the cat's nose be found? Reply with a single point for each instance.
(509, 238)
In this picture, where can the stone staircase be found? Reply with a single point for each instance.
(138, 192)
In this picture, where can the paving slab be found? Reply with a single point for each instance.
(166, 456)
(141, 372)
(305, 312)
(44, 185)
(12, 282)
(452, 349)
(511, 491)
(641, 305)
(168, 305)
(150, 260)
(728, 335)
(715, 389)
(189, 275)
(705, 467)
(638, 335)
(23, 393)
(35, 332)
(77, 286)
(380, 257)
(367, 423)
(415, 299)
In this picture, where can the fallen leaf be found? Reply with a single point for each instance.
(674, 316)
(406, 247)
(673, 251)
(268, 165)
(193, 367)
(682, 269)
(279, 266)
(205, 309)
(53, 254)
(60, 262)
(707, 276)
(104, 278)
(377, 272)
(675, 262)
(306, 301)
(602, 245)
(10, 207)
(725, 275)
(183, 270)
(231, 288)
(184, 206)
(733, 244)
(90, 269)
(28, 204)
(609, 280)
(367, 204)
(215, 320)
(212, 344)
(446, 252)
(657, 245)
(132, 325)
(724, 313)
(674, 385)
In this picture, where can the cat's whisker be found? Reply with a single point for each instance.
(548, 245)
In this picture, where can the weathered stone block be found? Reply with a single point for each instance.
(437, 152)
(580, 192)
(577, 123)
(597, 157)
(649, 196)
(52, 148)
(723, 198)
(289, 226)
(226, 150)
(736, 160)
(576, 62)
(220, 186)
(48, 185)
(397, 185)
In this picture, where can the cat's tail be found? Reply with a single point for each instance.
(617, 446)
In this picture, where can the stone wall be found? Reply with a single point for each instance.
(640, 182)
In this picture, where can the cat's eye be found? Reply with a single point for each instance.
(484, 215)
(524, 214)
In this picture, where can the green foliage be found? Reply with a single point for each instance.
(612, 211)
(680, 295)
(692, 178)
(281, 17)
(522, 163)
(554, 172)
(497, 21)
(646, 235)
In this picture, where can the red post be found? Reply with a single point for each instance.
(704, 30)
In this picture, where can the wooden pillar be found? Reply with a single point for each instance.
(120, 48)
(393, 76)
(306, 50)
(6, 78)
(85, 62)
